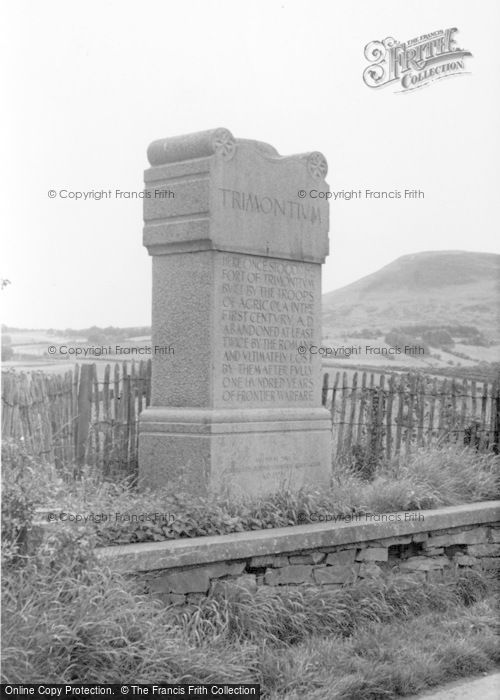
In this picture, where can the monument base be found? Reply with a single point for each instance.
(246, 451)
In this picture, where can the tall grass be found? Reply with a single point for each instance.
(68, 619)
(284, 616)
(430, 477)
(450, 475)
(386, 660)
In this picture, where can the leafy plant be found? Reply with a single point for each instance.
(25, 484)
(116, 513)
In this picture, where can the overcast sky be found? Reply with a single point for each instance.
(88, 85)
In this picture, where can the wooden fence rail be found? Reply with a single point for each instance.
(77, 418)
(376, 416)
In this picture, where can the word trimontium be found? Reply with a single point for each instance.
(269, 205)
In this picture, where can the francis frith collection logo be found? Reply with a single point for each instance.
(414, 63)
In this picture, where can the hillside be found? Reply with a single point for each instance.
(434, 288)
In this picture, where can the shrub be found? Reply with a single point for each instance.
(438, 337)
(25, 484)
(397, 338)
(7, 352)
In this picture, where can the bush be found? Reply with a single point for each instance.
(397, 338)
(7, 352)
(25, 484)
(438, 337)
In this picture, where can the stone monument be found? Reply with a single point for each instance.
(237, 243)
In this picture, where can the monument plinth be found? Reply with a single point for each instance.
(237, 253)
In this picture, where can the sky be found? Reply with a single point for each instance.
(88, 85)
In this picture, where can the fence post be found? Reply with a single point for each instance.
(388, 416)
(432, 409)
(483, 437)
(495, 417)
(351, 427)
(411, 408)
(361, 414)
(463, 414)
(126, 419)
(453, 423)
(324, 391)
(340, 445)
(400, 416)
(84, 412)
(74, 412)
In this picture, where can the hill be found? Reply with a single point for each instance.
(435, 288)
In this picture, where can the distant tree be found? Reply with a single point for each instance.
(96, 337)
(396, 338)
(7, 349)
(438, 337)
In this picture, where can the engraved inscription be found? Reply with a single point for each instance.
(272, 468)
(267, 312)
(260, 204)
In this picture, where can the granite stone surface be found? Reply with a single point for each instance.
(237, 254)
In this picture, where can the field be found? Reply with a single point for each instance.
(374, 352)
(31, 353)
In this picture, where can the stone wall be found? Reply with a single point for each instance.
(421, 545)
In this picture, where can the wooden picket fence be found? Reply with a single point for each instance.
(76, 418)
(379, 416)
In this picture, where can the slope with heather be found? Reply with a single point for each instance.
(437, 288)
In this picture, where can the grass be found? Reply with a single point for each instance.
(387, 660)
(68, 619)
(290, 615)
(429, 478)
